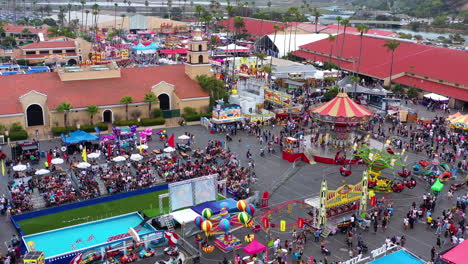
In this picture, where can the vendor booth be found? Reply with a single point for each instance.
(149, 49)
(25, 150)
(77, 137)
(226, 114)
(400, 256)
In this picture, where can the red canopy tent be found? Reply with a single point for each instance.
(456, 255)
(254, 247)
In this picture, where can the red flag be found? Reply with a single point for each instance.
(170, 142)
(109, 151)
(49, 158)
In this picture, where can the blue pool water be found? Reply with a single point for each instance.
(60, 241)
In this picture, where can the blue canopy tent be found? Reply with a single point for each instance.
(400, 256)
(142, 49)
(78, 136)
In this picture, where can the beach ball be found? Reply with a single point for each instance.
(206, 226)
(224, 225)
(241, 205)
(244, 218)
(207, 213)
(198, 221)
(224, 213)
(224, 205)
(250, 210)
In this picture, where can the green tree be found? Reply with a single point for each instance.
(115, 14)
(345, 23)
(69, 7)
(126, 100)
(150, 98)
(331, 92)
(214, 87)
(331, 38)
(412, 93)
(64, 108)
(338, 19)
(276, 28)
(259, 56)
(92, 110)
(391, 45)
(362, 29)
(317, 15)
(354, 80)
(239, 23)
(9, 41)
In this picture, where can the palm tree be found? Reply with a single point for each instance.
(198, 11)
(126, 100)
(92, 110)
(123, 19)
(345, 23)
(331, 38)
(362, 30)
(391, 45)
(115, 15)
(64, 108)
(261, 16)
(147, 5)
(276, 28)
(82, 2)
(150, 98)
(338, 19)
(69, 7)
(269, 7)
(316, 14)
(259, 56)
(229, 11)
(87, 13)
(239, 23)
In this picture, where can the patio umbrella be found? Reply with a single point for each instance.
(136, 157)
(94, 155)
(184, 137)
(19, 167)
(42, 172)
(57, 161)
(143, 146)
(169, 149)
(83, 165)
(119, 158)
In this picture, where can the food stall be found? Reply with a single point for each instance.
(25, 150)
(291, 149)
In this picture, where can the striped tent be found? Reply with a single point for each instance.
(450, 117)
(342, 109)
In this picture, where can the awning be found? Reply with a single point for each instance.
(173, 51)
(254, 247)
(436, 97)
(184, 216)
(457, 255)
(400, 256)
(78, 136)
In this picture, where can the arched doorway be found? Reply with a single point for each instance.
(34, 115)
(107, 116)
(200, 59)
(164, 102)
(72, 62)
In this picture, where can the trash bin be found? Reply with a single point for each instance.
(43, 154)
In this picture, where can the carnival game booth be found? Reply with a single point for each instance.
(226, 115)
(292, 150)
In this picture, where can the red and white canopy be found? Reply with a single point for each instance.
(341, 110)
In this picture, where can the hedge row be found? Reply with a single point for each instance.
(17, 135)
(195, 116)
(57, 131)
(143, 122)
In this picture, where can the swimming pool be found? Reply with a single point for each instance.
(67, 239)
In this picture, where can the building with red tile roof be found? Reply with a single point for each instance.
(32, 99)
(254, 27)
(17, 31)
(61, 50)
(430, 68)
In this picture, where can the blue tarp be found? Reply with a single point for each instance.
(78, 137)
(401, 256)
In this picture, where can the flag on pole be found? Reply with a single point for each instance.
(84, 155)
(3, 167)
(141, 147)
(171, 142)
(49, 158)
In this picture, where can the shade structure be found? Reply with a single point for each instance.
(456, 255)
(460, 122)
(342, 109)
(400, 256)
(254, 247)
(119, 158)
(42, 172)
(19, 167)
(183, 137)
(136, 157)
(57, 161)
(93, 155)
(169, 149)
(78, 136)
(437, 186)
(451, 117)
(83, 165)
(436, 97)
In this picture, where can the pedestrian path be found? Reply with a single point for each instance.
(37, 200)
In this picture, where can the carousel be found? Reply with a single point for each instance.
(344, 114)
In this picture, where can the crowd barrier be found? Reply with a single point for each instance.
(16, 218)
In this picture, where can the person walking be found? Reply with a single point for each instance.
(433, 252)
(438, 243)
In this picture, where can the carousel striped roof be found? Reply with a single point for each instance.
(460, 122)
(342, 106)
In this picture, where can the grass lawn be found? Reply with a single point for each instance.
(95, 212)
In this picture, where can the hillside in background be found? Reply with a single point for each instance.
(418, 8)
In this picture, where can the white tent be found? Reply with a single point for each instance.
(184, 216)
(436, 97)
(234, 48)
(282, 41)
